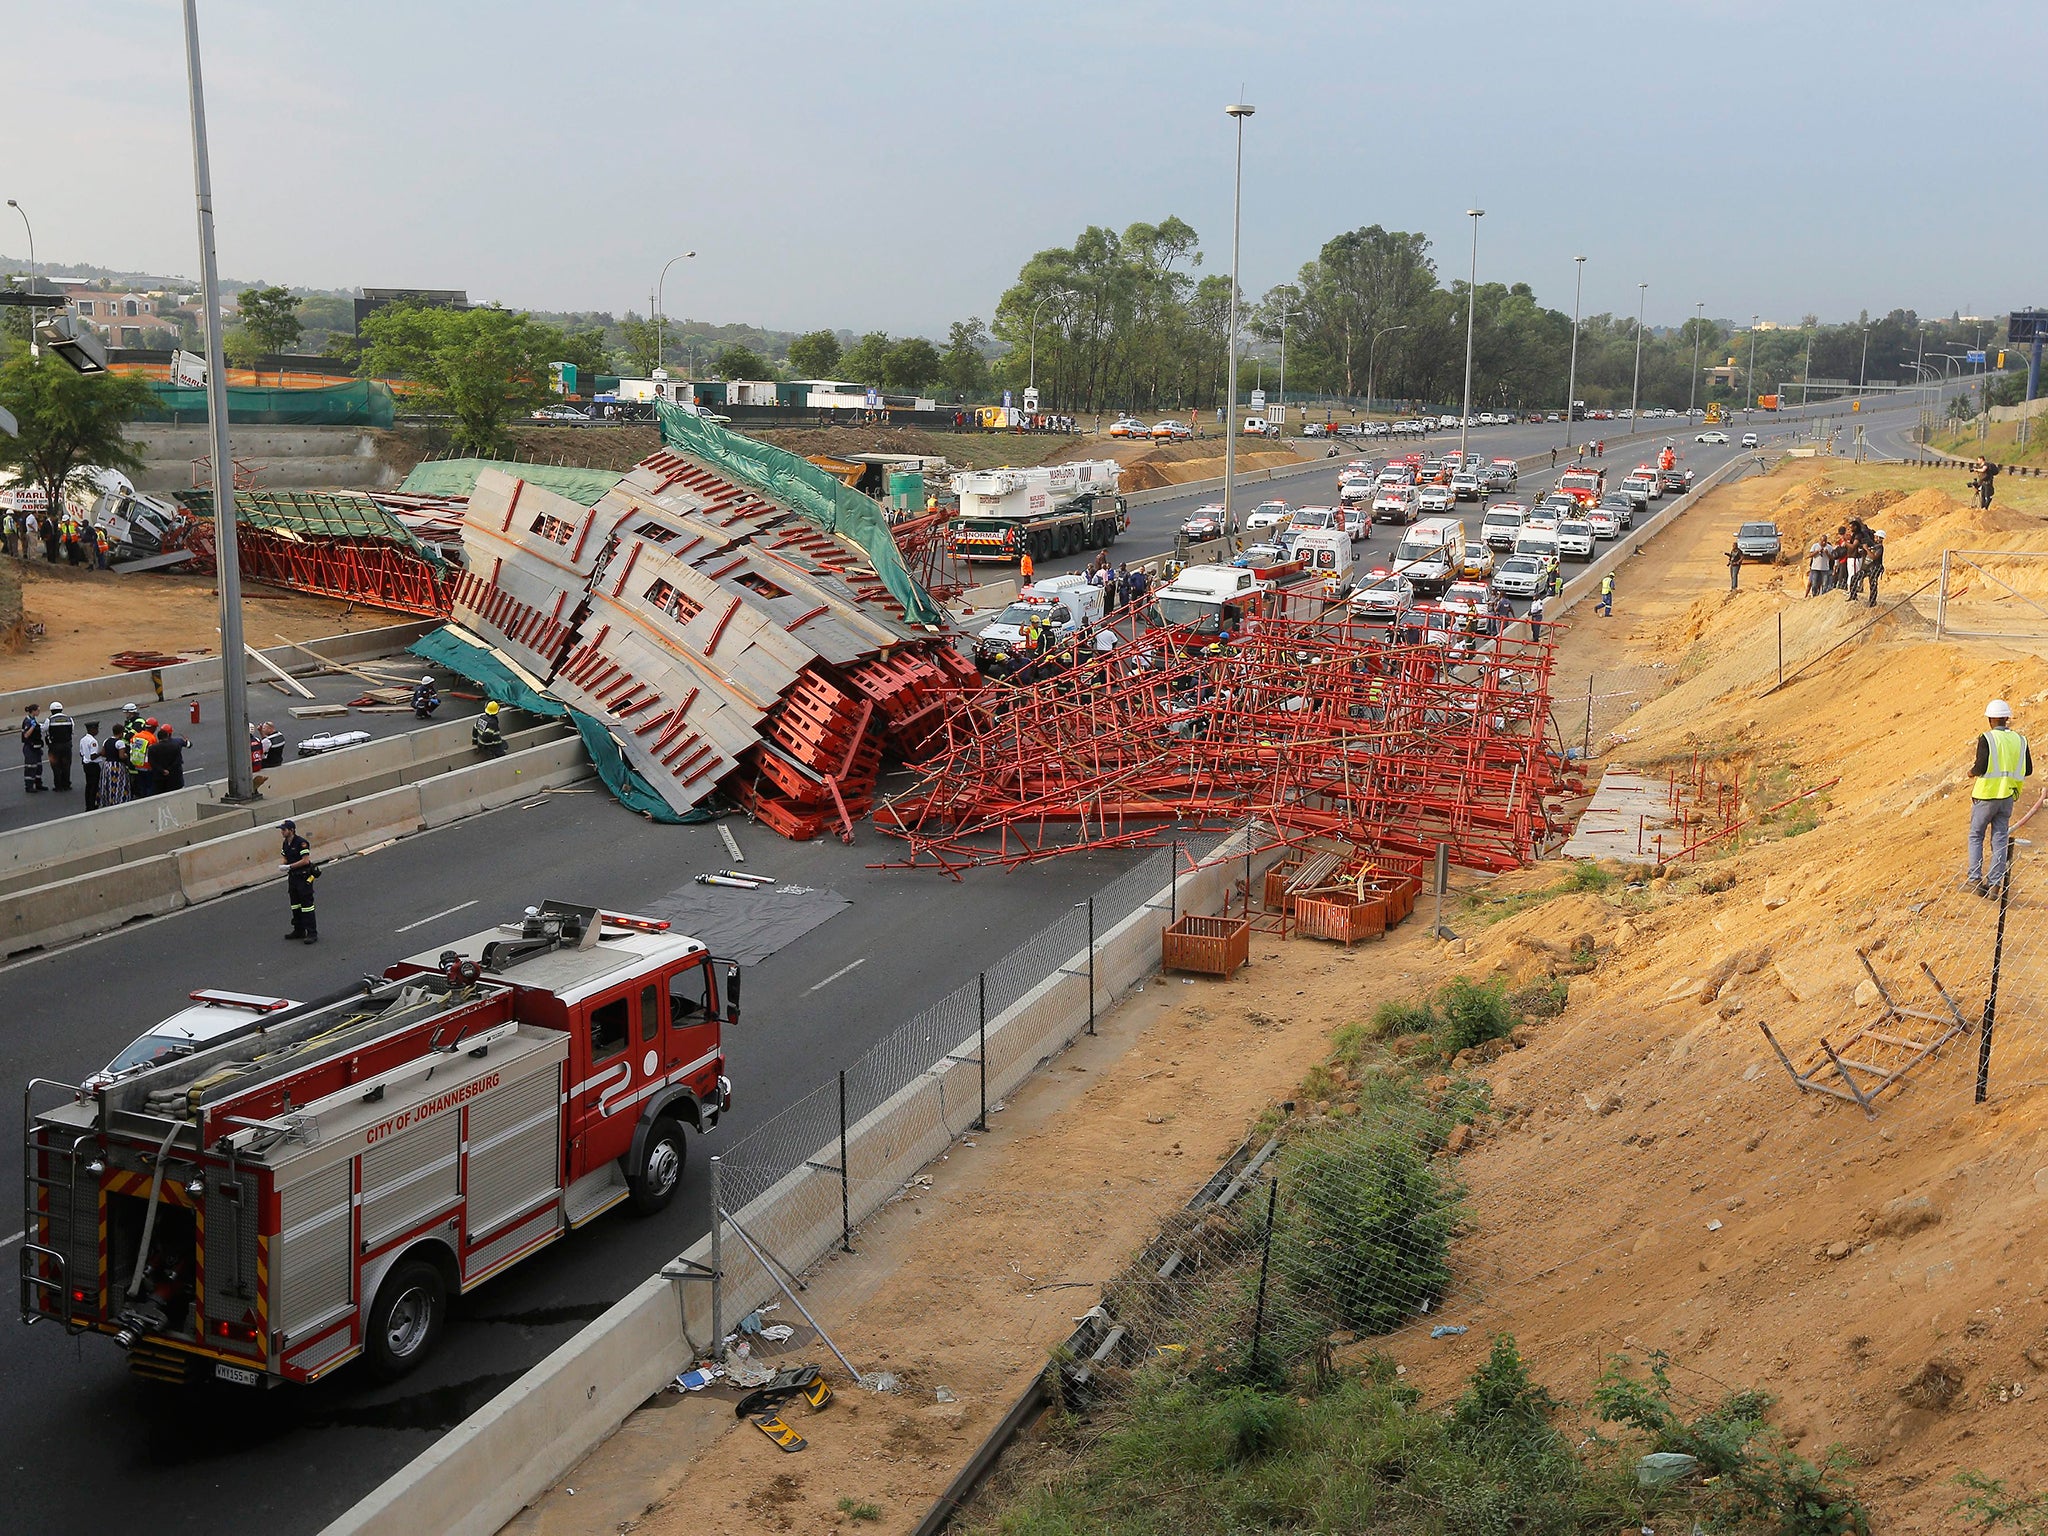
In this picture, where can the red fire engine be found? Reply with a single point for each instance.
(315, 1184)
(1585, 486)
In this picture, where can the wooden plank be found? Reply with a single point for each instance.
(283, 677)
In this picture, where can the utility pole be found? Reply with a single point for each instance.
(1571, 387)
(1692, 394)
(1471, 312)
(1806, 374)
(227, 561)
(1284, 316)
(1754, 322)
(1240, 111)
(1372, 357)
(1635, 390)
(1863, 366)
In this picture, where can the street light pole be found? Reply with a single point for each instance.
(226, 556)
(1754, 322)
(1240, 111)
(1571, 387)
(1285, 315)
(659, 284)
(1032, 382)
(34, 268)
(1371, 357)
(1806, 373)
(1692, 393)
(1471, 312)
(1863, 366)
(1635, 390)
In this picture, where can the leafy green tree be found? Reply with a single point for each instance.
(866, 360)
(814, 355)
(270, 316)
(478, 366)
(910, 364)
(638, 351)
(67, 420)
(585, 349)
(741, 363)
(964, 365)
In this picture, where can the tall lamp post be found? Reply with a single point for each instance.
(1754, 322)
(1571, 386)
(1863, 366)
(1806, 373)
(1285, 315)
(226, 556)
(1371, 357)
(660, 283)
(1240, 111)
(1692, 393)
(35, 269)
(1471, 311)
(1635, 390)
(1032, 382)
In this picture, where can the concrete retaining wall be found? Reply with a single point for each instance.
(506, 1454)
(286, 458)
(188, 678)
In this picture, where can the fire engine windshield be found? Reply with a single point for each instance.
(1203, 615)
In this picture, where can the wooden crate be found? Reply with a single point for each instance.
(1210, 946)
(1340, 916)
(1276, 883)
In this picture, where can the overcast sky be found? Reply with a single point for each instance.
(890, 164)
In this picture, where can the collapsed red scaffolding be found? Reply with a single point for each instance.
(1393, 741)
(368, 571)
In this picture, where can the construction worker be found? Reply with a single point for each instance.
(2004, 761)
(141, 781)
(57, 736)
(485, 735)
(89, 763)
(1607, 595)
(10, 531)
(425, 699)
(31, 751)
(299, 875)
(1024, 569)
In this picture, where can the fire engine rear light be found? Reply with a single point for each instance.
(79, 1297)
(242, 1332)
(642, 924)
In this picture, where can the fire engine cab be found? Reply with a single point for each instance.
(315, 1184)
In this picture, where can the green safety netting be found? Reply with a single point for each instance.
(315, 515)
(502, 679)
(457, 477)
(817, 497)
(358, 403)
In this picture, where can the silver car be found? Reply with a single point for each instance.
(1758, 541)
(1521, 576)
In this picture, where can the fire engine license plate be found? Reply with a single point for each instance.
(236, 1374)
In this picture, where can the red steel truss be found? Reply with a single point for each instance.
(369, 571)
(1392, 742)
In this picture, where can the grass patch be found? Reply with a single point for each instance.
(856, 1509)
(1584, 878)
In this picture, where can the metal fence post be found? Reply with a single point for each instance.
(717, 1268)
(982, 1053)
(1173, 898)
(1091, 965)
(845, 1189)
(1991, 998)
(1781, 647)
(1265, 1260)
(1586, 750)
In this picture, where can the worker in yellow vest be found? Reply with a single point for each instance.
(2003, 763)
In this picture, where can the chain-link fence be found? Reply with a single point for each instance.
(799, 1186)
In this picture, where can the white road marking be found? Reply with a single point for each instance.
(9, 1242)
(408, 928)
(863, 960)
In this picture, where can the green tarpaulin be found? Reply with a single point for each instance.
(457, 477)
(315, 515)
(500, 679)
(817, 497)
(358, 403)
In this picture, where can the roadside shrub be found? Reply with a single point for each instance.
(1540, 999)
(1469, 1012)
(1588, 876)
(1365, 1225)
(1411, 1017)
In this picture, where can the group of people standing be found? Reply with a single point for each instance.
(1851, 561)
(139, 757)
(72, 539)
(1121, 587)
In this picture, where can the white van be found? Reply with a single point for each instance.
(1429, 554)
(1325, 555)
(1068, 602)
(1502, 525)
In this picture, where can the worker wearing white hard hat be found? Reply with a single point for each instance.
(2003, 762)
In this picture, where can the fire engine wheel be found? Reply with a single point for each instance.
(406, 1322)
(661, 1171)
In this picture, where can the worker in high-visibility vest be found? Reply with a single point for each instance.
(2003, 762)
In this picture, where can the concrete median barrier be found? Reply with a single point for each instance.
(243, 859)
(88, 904)
(501, 781)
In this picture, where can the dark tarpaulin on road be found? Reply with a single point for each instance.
(747, 926)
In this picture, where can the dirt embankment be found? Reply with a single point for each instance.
(1149, 465)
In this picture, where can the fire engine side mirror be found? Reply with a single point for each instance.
(732, 994)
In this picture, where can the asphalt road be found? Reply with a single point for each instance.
(78, 1437)
(1153, 525)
